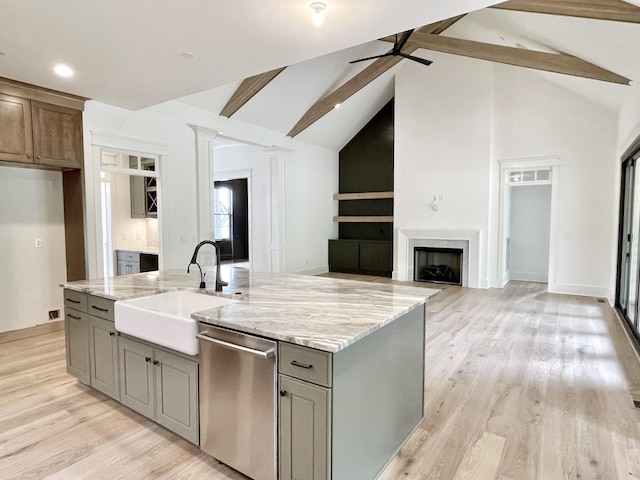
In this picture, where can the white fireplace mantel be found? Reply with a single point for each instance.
(465, 239)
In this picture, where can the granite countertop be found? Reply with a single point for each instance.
(319, 312)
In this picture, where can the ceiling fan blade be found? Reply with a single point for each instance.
(416, 59)
(371, 58)
(397, 46)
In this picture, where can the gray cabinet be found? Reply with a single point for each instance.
(144, 201)
(76, 330)
(160, 385)
(128, 262)
(91, 342)
(103, 352)
(344, 415)
(305, 441)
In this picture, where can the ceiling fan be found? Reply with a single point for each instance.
(395, 51)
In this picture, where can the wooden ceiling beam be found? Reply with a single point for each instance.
(366, 76)
(614, 10)
(247, 90)
(550, 62)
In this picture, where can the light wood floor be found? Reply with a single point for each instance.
(520, 384)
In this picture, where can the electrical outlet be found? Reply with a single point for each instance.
(37, 243)
(124, 235)
(183, 239)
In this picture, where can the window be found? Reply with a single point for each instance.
(222, 213)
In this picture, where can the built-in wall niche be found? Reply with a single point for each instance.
(437, 265)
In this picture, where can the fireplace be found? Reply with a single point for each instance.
(438, 265)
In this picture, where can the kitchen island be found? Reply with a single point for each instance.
(348, 417)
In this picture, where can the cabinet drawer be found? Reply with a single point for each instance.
(305, 363)
(100, 307)
(75, 300)
(128, 256)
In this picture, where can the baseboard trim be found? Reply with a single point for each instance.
(313, 271)
(529, 277)
(584, 290)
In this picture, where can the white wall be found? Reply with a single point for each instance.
(309, 177)
(530, 217)
(31, 207)
(535, 118)
(456, 119)
(443, 147)
(168, 124)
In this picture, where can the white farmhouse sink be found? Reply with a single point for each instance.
(165, 318)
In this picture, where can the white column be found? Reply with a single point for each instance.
(204, 180)
(277, 159)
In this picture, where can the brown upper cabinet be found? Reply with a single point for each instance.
(40, 126)
(57, 135)
(16, 141)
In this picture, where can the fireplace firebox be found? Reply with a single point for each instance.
(437, 265)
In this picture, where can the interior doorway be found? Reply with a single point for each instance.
(529, 233)
(129, 212)
(527, 228)
(231, 218)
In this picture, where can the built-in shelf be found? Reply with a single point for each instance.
(363, 218)
(362, 196)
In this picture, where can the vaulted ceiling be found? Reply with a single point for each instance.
(589, 47)
(128, 53)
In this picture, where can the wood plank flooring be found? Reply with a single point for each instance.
(520, 384)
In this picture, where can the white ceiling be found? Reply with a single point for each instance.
(611, 45)
(127, 53)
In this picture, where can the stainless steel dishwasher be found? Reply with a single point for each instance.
(238, 379)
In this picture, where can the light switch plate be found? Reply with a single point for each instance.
(37, 243)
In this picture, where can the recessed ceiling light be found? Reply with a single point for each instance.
(318, 13)
(63, 70)
(187, 55)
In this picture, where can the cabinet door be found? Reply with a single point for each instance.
(57, 135)
(76, 325)
(105, 375)
(376, 256)
(123, 267)
(137, 188)
(16, 140)
(136, 376)
(343, 256)
(134, 267)
(177, 394)
(305, 417)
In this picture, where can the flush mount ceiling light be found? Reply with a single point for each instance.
(318, 13)
(187, 55)
(63, 70)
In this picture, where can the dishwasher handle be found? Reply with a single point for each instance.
(233, 346)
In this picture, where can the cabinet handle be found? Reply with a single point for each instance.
(100, 309)
(112, 334)
(156, 362)
(73, 316)
(296, 363)
(38, 157)
(71, 300)
(283, 393)
(147, 359)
